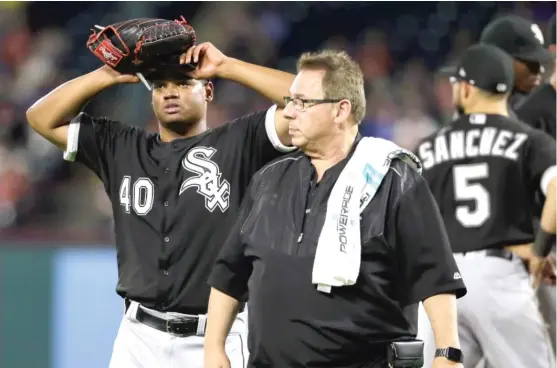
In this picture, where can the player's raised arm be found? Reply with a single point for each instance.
(51, 114)
(271, 83)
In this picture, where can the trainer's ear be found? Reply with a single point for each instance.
(209, 91)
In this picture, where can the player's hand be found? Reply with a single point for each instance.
(542, 270)
(114, 77)
(441, 362)
(215, 358)
(208, 58)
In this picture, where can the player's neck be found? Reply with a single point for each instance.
(168, 133)
(496, 108)
(329, 152)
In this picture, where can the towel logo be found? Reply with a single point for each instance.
(343, 218)
(372, 176)
(208, 180)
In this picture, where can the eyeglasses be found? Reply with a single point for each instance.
(300, 104)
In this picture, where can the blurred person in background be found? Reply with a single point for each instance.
(538, 110)
(174, 193)
(483, 169)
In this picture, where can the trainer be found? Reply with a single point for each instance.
(336, 244)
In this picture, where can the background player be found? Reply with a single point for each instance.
(174, 194)
(538, 108)
(483, 170)
(524, 42)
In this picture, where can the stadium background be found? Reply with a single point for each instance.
(58, 308)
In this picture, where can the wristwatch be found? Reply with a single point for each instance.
(453, 354)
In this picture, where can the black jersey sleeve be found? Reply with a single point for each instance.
(539, 159)
(426, 264)
(98, 143)
(257, 135)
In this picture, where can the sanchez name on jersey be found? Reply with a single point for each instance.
(484, 171)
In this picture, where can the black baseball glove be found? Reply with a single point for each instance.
(143, 45)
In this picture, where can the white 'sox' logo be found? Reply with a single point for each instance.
(208, 180)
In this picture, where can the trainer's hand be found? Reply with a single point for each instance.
(115, 77)
(215, 358)
(208, 58)
(441, 362)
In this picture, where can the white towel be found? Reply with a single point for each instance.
(338, 254)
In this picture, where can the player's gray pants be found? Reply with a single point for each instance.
(546, 297)
(140, 346)
(498, 319)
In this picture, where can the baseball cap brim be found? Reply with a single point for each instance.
(540, 55)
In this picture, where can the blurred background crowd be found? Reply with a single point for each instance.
(398, 45)
(57, 262)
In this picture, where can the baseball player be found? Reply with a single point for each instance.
(524, 42)
(483, 169)
(174, 194)
(538, 108)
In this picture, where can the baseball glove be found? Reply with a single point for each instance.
(142, 45)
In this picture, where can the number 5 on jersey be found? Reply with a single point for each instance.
(464, 190)
(140, 196)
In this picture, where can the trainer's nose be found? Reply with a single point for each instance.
(289, 112)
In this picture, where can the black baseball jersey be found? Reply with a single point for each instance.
(538, 109)
(484, 171)
(173, 203)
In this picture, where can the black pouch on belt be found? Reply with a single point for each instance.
(406, 354)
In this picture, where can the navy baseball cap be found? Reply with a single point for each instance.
(485, 66)
(518, 37)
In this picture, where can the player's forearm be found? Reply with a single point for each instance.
(63, 103)
(271, 83)
(442, 313)
(545, 238)
(220, 316)
(548, 218)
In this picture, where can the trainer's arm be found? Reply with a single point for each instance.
(51, 114)
(427, 265)
(271, 83)
(220, 315)
(442, 313)
(229, 280)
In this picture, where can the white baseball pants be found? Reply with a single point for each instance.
(140, 346)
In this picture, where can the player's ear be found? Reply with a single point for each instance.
(209, 91)
(465, 91)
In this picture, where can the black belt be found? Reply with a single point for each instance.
(496, 252)
(182, 326)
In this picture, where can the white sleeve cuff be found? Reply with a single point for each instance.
(271, 129)
(73, 138)
(548, 174)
